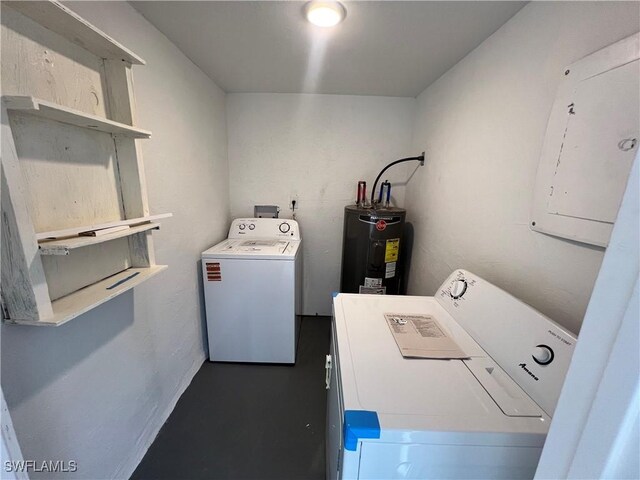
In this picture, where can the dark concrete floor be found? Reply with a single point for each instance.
(247, 421)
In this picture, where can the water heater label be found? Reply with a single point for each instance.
(373, 290)
(372, 282)
(390, 270)
(391, 250)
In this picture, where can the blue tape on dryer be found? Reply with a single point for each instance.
(359, 424)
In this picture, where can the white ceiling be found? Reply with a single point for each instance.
(392, 48)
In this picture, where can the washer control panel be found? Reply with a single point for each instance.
(284, 227)
(531, 348)
(281, 228)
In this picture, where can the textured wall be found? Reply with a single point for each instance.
(316, 147)
(482, 125)
(97, 389)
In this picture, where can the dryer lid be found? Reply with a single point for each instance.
(473, 395)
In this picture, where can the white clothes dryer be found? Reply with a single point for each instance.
(485, 416)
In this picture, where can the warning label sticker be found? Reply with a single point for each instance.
(213, 272)
(372, 282)
(390, 270)
(391, 250)
(373, 290)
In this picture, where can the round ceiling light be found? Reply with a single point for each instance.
(325, 14)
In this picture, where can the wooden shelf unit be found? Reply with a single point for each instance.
(59, 19)
(71, 163)
(71, 232)
(51, 111)
(83, 300)
(65, 245)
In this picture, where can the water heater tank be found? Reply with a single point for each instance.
(371, 247)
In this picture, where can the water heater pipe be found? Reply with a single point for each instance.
(419, 158)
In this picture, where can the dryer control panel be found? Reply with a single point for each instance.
(531, 348)
(281, 228)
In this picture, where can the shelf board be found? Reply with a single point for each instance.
(66, 23)
(72, 232)
(65, 245)
(83, 300)
(52, 111)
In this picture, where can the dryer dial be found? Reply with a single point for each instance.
(458, 288)
(542, 355)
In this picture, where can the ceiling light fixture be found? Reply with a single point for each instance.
(325, 14)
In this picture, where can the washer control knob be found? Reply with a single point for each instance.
(252, 226)
(458, 288)
(542, 355)
(241, 226)
(285, 227)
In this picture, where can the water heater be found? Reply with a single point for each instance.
(372, 243)
(371, 250)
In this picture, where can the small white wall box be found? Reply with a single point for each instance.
(591, 140)
(266, 211)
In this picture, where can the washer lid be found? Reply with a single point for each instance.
(254, 249)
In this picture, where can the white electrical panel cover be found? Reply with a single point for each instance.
(591, 141)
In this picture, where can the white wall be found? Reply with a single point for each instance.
(97, 389)
(482, 125)
(316, 147)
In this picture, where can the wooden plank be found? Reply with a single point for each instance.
(63, 21)
(105, 231)
(77, 303)
(64, 246)
(68, 273)
(59, 113)
(70, 173)
(122, 107)
(24, 287)
(133, 185)
(132, 178)
(70, 232)
(119, 84)
(41, 64)
(141, 251)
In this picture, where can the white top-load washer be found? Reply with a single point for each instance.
(486, 416)
(252, 289)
